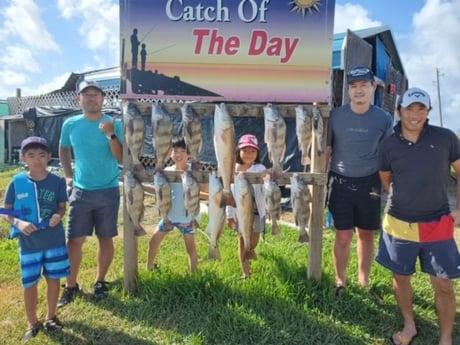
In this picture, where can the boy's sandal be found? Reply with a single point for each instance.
(31, 332)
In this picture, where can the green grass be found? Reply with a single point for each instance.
(277, 305)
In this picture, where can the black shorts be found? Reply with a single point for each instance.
(355, 201)
(93, 210)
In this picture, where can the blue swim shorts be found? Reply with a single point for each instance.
(54, 262)
(185, 229)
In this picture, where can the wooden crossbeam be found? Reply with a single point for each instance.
(174, 176)
(234, 109)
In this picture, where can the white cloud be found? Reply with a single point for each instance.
(432, 43)
(54, 84)
(24, 36)
(100, 25)
(21, 79)
(10, 79)
(23, 21)
(435, 45)
(353, 17)
(14, 57)
(92, 25)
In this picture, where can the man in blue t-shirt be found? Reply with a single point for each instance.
(96, 142)
(354, 133)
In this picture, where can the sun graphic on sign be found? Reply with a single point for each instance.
(305, 5)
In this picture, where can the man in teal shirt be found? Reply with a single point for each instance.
(96, 142)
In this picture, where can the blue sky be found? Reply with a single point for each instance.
(43, 41)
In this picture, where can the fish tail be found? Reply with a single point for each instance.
(305, 159)
(303, 235)
(275, 228)
(159, 167)
(139, 168)
(319, 145)
(196, 165)
(167, 224)
(277, 171)
(214, 253)
(227, 199)
(141, 173)
(195, 224)
(139, 231)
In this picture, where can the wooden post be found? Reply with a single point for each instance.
(129, 240)
(317, 208)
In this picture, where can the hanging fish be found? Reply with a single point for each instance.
(163, 198)
(304, 131)
(224, 147)
(275, 136)
(134, 196)
(318, 128)
(216, 214)
(244, 210)
(134, 131)
(191, 131)
(272, 195)
(191, 197)
(300, 199)
(162, 128)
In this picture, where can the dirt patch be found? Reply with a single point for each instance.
(287, 217)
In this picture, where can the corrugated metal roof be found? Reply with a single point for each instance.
(107, 78)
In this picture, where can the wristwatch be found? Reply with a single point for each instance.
(112, 136)
(15, 222)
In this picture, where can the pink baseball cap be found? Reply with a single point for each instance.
(248, 140)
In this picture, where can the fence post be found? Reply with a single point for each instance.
(317, 208)
(130, 245)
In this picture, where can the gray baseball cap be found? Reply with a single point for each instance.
(85, 84)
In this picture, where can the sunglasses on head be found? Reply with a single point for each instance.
(357, 72)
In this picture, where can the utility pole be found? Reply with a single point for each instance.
(439, 96)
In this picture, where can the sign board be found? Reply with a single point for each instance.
(227, 50)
